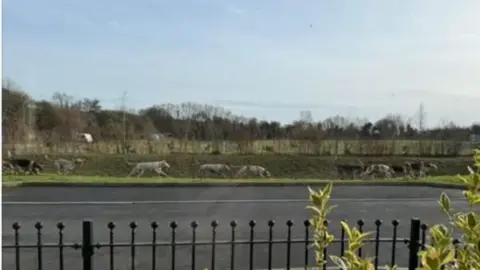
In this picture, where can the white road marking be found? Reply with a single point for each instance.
(400, 200)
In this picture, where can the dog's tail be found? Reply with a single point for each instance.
(361, 163)
(47, 157)
(129, 163)
(195, 161)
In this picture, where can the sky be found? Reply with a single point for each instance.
(268, 59)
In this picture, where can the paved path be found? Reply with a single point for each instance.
(51, 205)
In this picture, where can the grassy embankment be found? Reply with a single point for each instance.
(280, 166)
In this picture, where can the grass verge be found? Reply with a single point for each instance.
(51, 179)
(280, 166)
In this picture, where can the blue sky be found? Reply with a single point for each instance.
(264, 58)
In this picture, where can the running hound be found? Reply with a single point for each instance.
(28, 166)
(16, 165)
(254, 170)
(398, 169)
(431, 167)
(349, 170)
(156, 166)
(419, 168)
(218, 169)
(373, 169)
(65, 166)
(7, 167)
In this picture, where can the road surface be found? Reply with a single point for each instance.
(223, 204)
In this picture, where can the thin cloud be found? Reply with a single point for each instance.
(158, 2)
(235, 10)
(279, 105)
(87, 22)
(113, 23)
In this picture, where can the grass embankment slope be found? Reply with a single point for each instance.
(52, 179)
(281, 166)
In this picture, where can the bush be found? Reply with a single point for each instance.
(439, 255)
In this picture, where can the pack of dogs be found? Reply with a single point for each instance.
(30, 166)
(409, 169)
(66, 166)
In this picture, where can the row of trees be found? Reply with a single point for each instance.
(62, 118)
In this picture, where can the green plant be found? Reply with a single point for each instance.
(441, 253)
(321, 237)
(318, 203)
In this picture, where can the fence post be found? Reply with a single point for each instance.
(414, 244)
(87, 244)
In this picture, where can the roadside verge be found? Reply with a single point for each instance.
(450, 182)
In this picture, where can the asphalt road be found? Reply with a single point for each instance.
(183, 205)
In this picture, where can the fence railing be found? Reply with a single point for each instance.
(87, 247)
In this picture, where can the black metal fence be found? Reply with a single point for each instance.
(87, 247)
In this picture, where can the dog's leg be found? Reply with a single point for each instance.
(16, 169)
(20, 170)
(340, 175)
(405, 172)
(200, 173)
(160, 172)
(134, 170)
(59, 169)
(141, 172)
(30, 167)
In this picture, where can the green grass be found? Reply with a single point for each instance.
(11, 180)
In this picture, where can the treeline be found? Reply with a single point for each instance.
(62, 118)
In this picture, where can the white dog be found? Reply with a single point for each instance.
(254, 170)
(217, 169)
(156, 166)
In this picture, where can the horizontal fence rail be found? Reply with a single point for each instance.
(87, 247)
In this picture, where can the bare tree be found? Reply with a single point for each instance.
(73, 121)
(16, 114)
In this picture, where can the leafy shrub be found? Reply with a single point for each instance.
(322, 238)
(439, 255)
